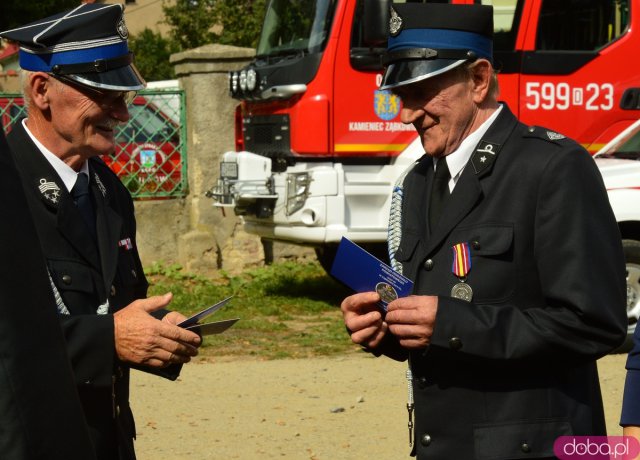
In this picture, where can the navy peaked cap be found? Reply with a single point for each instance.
(87, 44)
(427, 39)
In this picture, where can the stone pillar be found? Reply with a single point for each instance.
(211, 238)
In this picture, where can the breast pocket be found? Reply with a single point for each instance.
(492, 275)
(69, 275)
(76, 283)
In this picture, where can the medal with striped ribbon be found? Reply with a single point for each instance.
(460, 268)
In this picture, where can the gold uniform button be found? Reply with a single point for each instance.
(66, 279)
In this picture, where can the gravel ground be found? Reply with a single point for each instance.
(350, 407)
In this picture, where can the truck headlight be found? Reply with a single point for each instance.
(233, 82)
(243, 80)
(297, 191)
(252, 79)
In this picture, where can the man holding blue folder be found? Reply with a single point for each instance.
(515, 255)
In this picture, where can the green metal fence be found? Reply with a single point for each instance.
(150, 156)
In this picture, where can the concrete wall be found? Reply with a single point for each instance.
(191, 231)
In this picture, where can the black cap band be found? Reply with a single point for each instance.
(427, 53)
(99, 65)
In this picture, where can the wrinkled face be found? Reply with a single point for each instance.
(441, 109)
(84, 119)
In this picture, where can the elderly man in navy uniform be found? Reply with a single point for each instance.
(79, 79)
(40, 413)
(516, 258)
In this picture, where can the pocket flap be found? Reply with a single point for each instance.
(485, 240)
(71, 276)
(408, 245)
(514, 440)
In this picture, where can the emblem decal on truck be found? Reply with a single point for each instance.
(386, 104)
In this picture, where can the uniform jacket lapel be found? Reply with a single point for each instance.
(414, 208)
(108, 227)
(43, 181)
(472, 186)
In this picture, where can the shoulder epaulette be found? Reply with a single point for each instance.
(545, 134)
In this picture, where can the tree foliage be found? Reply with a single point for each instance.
(195, 23)
(241, 22)
(14, 13)
(152, 52)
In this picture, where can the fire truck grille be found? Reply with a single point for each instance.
(267, 135)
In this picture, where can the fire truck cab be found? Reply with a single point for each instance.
(319, 146)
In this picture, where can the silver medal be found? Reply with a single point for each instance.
(462, 291)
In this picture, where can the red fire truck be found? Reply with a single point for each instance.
(319, 146)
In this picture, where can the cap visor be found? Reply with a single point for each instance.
(402, 73)
(125, 78)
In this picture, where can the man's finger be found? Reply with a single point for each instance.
(155, 302)
(355, 322)
(360, 303)
(178, 334)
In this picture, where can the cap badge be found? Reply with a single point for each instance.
(122, 29)
(49, 190)
(395, 23)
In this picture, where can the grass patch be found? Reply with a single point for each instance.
(286, 310)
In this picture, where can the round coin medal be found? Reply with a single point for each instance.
(462, 291)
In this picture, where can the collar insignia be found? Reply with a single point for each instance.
(484, 155)
(50, 191)
(100, 185)
(395, 23)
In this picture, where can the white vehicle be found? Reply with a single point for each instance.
(619, 163)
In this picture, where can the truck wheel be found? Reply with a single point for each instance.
(327, 253)
(632, 260)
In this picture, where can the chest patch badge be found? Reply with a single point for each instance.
(49, 190)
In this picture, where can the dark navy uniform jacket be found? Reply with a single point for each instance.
(86, 273)
(512, 370)
(631, 400)
(40, 414)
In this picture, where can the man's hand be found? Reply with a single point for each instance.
(174, 317)
(142, 339)
(411, 320)
(363, 319)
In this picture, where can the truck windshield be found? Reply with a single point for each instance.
(295, 26)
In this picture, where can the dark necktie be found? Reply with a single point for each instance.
(439, 192)
(82, 199)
